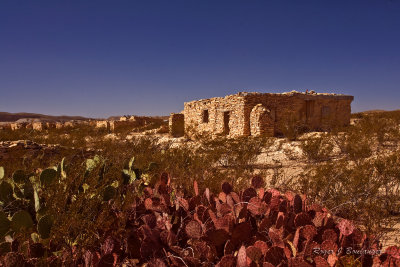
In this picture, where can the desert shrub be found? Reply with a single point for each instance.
(317, 149)
(366, 192)
(292, 128)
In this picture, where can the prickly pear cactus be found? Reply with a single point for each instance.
(44, 226)
(4, 224)
(1, 172)
(48, 176)
(21, 220)
(6, 192)
(19, 177)
(130, 174)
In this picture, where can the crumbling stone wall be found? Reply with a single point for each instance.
(16, 126)
(103, 124)
(261, 121)
(218, 116)
(312, 111)
(246, 114)
(38, 126)
(176, 124)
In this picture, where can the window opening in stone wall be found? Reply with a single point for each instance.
(226, 122)
(205, 116)
(325, 112)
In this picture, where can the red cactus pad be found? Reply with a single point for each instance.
(346, 227)
(357, 236)
(318, 220)
(242, 257)
(289, 195)
(241, 233)
(308, 232)
(262, 246)
(222, 197)
(321, 262)
(309, 247)
(148, 203)
(267, 264)
(217, 237)
(332, 259)
(260, 193)
(193, 229)
(393, 251)
(164, 178)
(329, 245)
(280, 220)
(283, 206)
(257, 182)
(276, 235)
(302, 219)
(229, 248)
(329, 234)
(248, 194)
(168, 238)
(254, 206)
(265, 224)
(254, 253)
(150, 220)
(299, 262)
(224, 209)
(226, 187)
(297, 204)
(156, 263)
(183, 202)
(275, 202)
(224, 223)
(235, 197)
(196, 188)
(275, 256)
(227, 261)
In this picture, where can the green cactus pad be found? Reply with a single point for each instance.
(28, 190)
(19, 177)
(18, 192)
(131, 162)
(1, 172)
(4, 224)
(41, 212)
(44, 226)
(21, 220)
(48, 176)
(109, 193)
(152, 166)
(61, 169)
(6, 192)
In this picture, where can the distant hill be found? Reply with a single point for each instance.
(11, 117)
(154, 117)
(375, 112)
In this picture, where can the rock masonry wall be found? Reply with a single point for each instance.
(176, 124)
(245, 114)
(225, 116)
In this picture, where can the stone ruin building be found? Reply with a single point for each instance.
(255, 114)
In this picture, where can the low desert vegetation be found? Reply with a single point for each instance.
(95, 206)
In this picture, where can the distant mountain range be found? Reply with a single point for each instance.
(28, 117)
(10, 117)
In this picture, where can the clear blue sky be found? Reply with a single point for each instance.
(101, 58)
